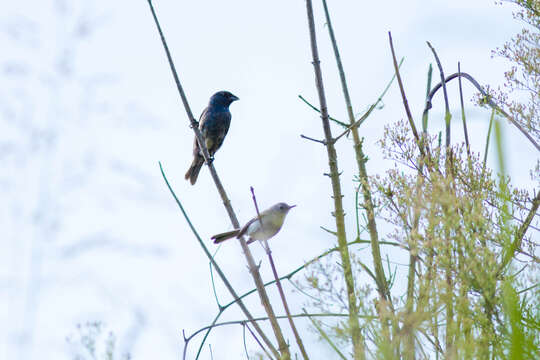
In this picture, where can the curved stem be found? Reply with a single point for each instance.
(489, 101)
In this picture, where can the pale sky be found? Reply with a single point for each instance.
(88, 107)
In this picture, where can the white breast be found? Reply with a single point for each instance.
(255, 231)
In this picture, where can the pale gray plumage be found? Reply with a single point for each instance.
(272, 220)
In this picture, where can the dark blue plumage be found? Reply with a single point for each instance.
(214, 125)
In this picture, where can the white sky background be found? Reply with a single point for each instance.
(88, 107)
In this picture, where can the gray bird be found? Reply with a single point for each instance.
(214, 124)
(272, 220)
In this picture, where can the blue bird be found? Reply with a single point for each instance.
(214, 124)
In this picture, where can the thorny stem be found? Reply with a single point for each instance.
(354, 324)
(361, 159)
(254, 271)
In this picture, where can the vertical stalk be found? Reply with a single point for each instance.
(357, 340)
(449, 242)
(463, 118)
(409, 352)
(361, 160)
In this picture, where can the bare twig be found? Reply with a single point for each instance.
(488, 137)
(319, 111)
(447, 114)
(326, 337)
(404, 97)
(312, 139)
(520, 233)
(361, 120)
(465, 133)
(256, 339)
(256, 206)
(428, 87)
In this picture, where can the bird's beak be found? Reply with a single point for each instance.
(234, 98)
(290, 207)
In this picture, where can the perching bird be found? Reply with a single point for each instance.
(214, 124)
(272, 220)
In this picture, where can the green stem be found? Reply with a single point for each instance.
(357, 338)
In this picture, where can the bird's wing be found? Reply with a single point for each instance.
(244, 230)
(202, 120)
(215, 126)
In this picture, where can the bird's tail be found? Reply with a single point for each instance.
(193, 171)
(225, 236)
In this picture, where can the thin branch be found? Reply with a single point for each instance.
(428, 87)
(319, 111)
(465, 133)
(520, 233)
(361, 120)
(488, 137)
(246, 325)
(326, 337)
(244, 340)
(312, 139)
(404, 97)
(447, 114)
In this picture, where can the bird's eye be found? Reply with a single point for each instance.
(281, 207)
